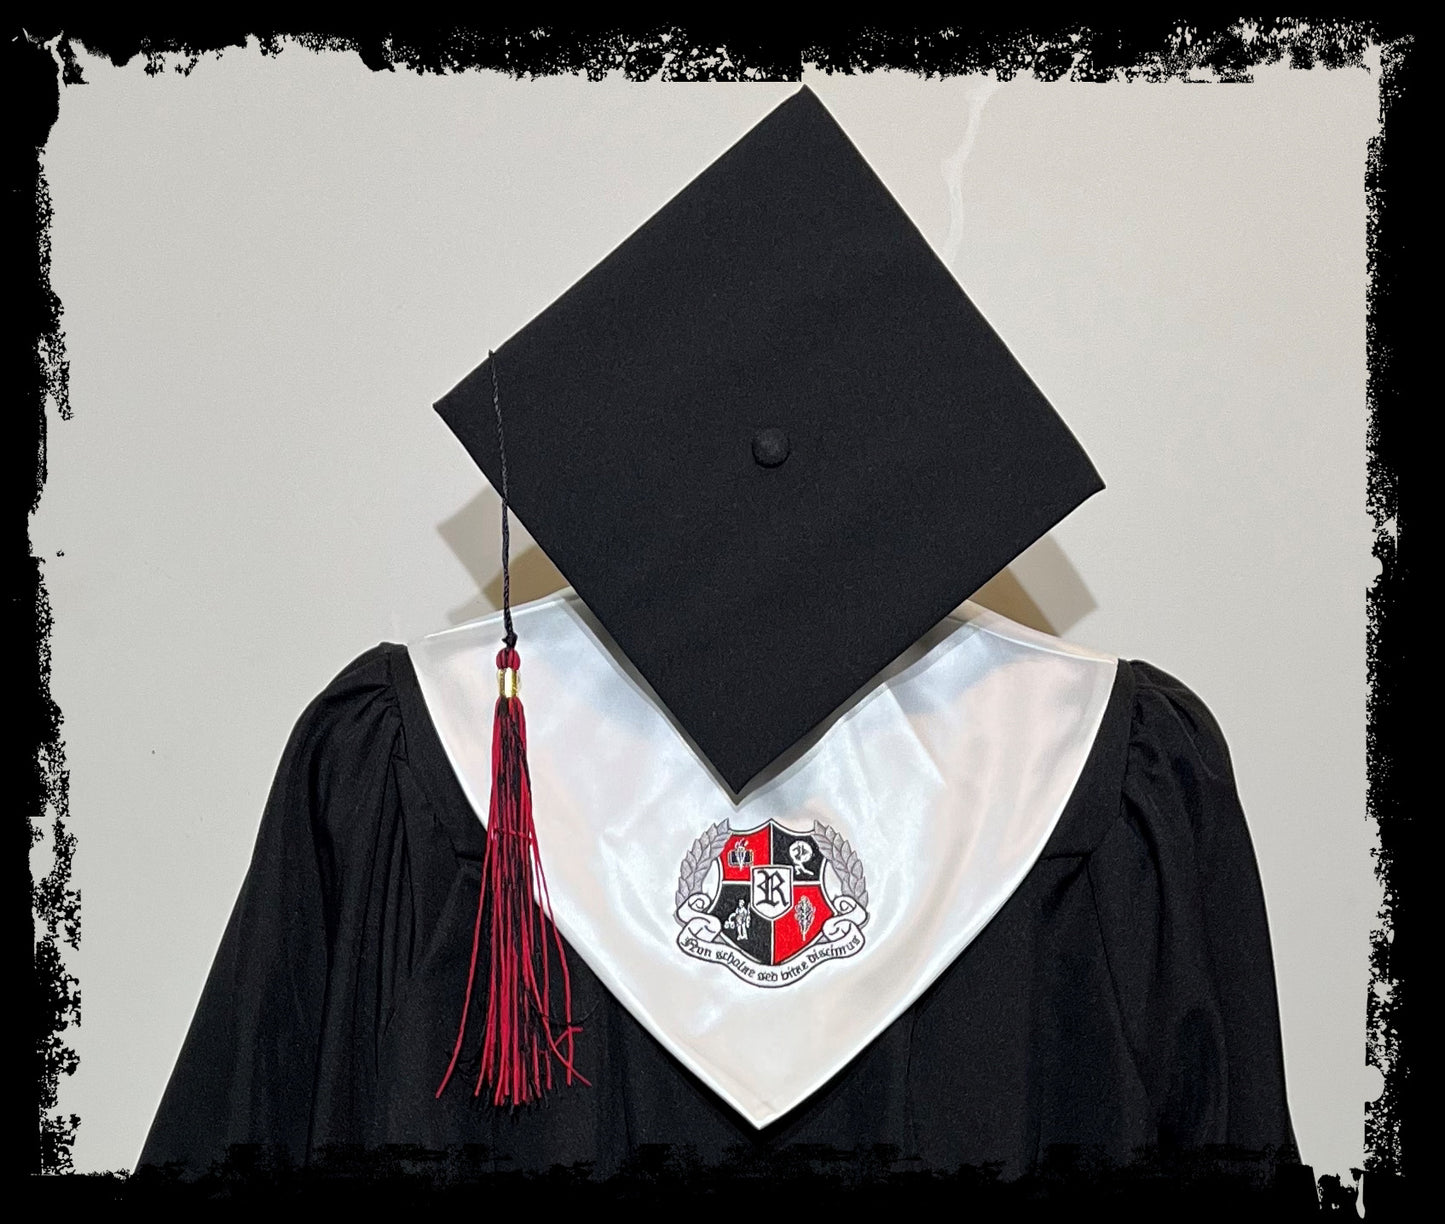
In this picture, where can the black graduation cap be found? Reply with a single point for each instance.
(770, 441)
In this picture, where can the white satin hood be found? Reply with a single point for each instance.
(919, 807)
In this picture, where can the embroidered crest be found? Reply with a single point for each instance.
(771, 903)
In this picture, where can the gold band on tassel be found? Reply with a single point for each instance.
(509, 682)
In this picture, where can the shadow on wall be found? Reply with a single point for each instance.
(474, 534)
(1041, 589)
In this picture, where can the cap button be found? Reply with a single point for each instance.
(770, 447)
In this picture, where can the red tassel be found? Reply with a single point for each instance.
(519, 1044)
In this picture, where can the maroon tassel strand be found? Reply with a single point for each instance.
(519, 1045)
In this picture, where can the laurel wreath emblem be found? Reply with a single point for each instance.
(833, 845)
(844, 860)
(697, 860)
(703, 928)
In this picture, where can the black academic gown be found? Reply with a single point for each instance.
(1123, 999)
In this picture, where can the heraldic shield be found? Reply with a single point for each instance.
(771, 903)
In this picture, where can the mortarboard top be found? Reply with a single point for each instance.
(769, 440)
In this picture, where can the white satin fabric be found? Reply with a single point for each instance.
(947, 775)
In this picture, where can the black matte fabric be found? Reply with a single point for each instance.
(1123, 998)
(784, 288)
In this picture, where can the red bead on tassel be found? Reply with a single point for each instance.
(520, 1044)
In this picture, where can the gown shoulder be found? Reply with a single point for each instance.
(1182, 916)
(245, 1073)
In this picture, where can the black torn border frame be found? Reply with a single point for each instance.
(45, 912)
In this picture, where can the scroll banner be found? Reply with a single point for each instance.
(702, 937)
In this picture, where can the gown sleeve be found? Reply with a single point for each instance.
(1182, 916)
(247, 1071)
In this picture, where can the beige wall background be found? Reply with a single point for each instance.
(271, 268)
